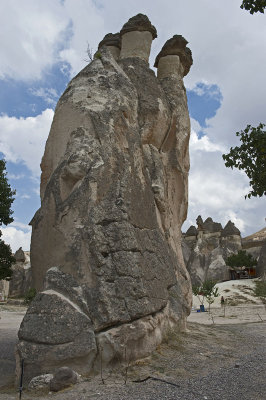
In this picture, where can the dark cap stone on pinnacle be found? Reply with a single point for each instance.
(139, 23)
(177, 46)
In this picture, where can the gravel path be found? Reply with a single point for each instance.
(213, 362)
(9, 323)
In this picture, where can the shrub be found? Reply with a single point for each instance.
(29, 296)
(260, 289)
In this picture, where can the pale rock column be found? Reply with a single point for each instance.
(136, 38)
(173, 63)
(169, 66)
(113, 42)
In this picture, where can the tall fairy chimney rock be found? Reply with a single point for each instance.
(106, 243)
(137, 36)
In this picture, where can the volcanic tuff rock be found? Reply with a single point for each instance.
(106, 242)
(255, 244)
(261, 268)
(206, 248)
(21, 280)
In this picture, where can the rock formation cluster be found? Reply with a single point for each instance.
(206, 248)
(106, 243)
(21, 280)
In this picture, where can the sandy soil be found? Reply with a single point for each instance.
(235, 292)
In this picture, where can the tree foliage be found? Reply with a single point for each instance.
(254, 6)
(241, 259)
(206, 290)
(6, 261)
(6, 196)
(251, 158)
(6, 200)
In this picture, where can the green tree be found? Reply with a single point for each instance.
(251, 158)
(206, 290)
(6, 200)
(254, 6)
(241, 259)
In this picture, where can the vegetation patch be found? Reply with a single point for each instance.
(260, 289)
(29, 296)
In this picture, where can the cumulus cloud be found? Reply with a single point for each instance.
(32, 32)
(17, 235)
(218, 192)
(87, 27)
(39, 34)
(23, 139)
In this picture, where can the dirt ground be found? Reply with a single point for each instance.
(213, 345)
(10, 319)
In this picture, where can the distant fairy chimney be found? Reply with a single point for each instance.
(20, 255)
(230, 229)
(136, 37)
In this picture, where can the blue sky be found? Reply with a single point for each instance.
(46, 46)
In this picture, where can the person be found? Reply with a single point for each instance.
(222, 301)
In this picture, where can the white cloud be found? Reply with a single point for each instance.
(23, 139)
(87, 26)
(37, 34)
(16, 237)
(49, 95)
(24, 196)
(218, 192)
(203, 143)
(31, 31)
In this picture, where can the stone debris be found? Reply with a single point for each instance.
(40, 382)
(63, 378)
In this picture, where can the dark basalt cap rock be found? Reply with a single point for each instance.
(230, 229)
(211, 226)
(139, 23)
(192, 231)
(111, 39)
(176, 46)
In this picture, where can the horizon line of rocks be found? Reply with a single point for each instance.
(209, 226)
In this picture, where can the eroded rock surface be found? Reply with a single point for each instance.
(21, 280)
(206, 248)
(114, 197)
